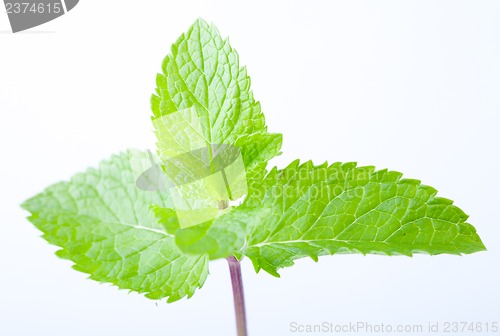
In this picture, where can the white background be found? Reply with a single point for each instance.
(409, 85)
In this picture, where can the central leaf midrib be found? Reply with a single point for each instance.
(99, 220)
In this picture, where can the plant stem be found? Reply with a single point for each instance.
(239, 299)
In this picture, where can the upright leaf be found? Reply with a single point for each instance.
(203, 73)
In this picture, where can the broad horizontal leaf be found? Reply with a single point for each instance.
(341, 208)
(106, 226)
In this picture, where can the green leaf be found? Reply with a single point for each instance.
(340, 208)
(202, 74)
(224, 236)
(133, 238)
(105, 225)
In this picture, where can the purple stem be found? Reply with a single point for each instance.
(239, 299)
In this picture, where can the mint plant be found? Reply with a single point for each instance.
(133, 223)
